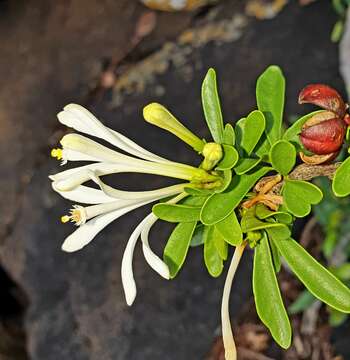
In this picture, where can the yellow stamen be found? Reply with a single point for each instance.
(65, 219)
(56, 153)
(76, 216)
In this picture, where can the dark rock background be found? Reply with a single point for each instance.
(72, 306)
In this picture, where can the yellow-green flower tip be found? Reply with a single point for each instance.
(212, 152)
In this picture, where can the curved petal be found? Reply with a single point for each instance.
(82, 120)
(85, 195)
(127, 273)
(120, 194)
(227, 335)
(153, 260)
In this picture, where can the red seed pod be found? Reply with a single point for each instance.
(323, 96)
(323, 133)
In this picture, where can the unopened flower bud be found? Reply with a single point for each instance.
(325, 97)
(323, 133)
(212, 153)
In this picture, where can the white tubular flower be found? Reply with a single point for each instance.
(82, 120)
(70, 179)
(152, 259)
(110, 209)
(227, 335)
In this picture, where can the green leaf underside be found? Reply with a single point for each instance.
(268, 300)
(245, 165)
(198, 238)
(212, 258)
(211, 106)
(230, 229)
(283, 156)
(220, 244)
(341, 181)
(253, 127)
(262, 212)
(177, 246)
(176, 213)
(299, 195)
(270, 89)
(303, 301)
(292, 133)
(316, 278)
(229, 135)
(218, 206)
(230, 158)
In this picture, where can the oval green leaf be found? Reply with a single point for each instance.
(253, 127)
(267, 295)
(229, 135)
(270, 89)
(212, 258)
(198, 238)
(176, 213)
(211, 106)
(230, 229)
(220, 244)
(283, 156)
(218, 206)
(229, 159)
(298, 196)
(177, 246)
(316, 278)
(262, 212)
(341, 180)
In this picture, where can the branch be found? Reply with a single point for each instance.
(304, 172)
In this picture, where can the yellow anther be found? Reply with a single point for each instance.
(56, 153)
(65, 219)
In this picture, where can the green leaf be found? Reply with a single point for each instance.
(220, 244)
(336, 318)
(299, 195)
(230, 229)
(317, 279)
(226, 180)
(263, 147)
(292, 133)
(267, 295)
(229, 135)
(239, 129)
(218, 206)
(341, 180)
(250, 223)
(176, 213)
(211, 106)
(253, 128)
(229, 159)
(270, 89)
(212, 258)
(337, 31)
(262, 212)
(177, 247)
(196, 201)
(302, 302)
(245, 165)
(342, 272)
(198, 192)
(283, 156)
(276, 256)
(198, 238)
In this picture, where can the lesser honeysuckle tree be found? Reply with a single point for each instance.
(253, 181)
